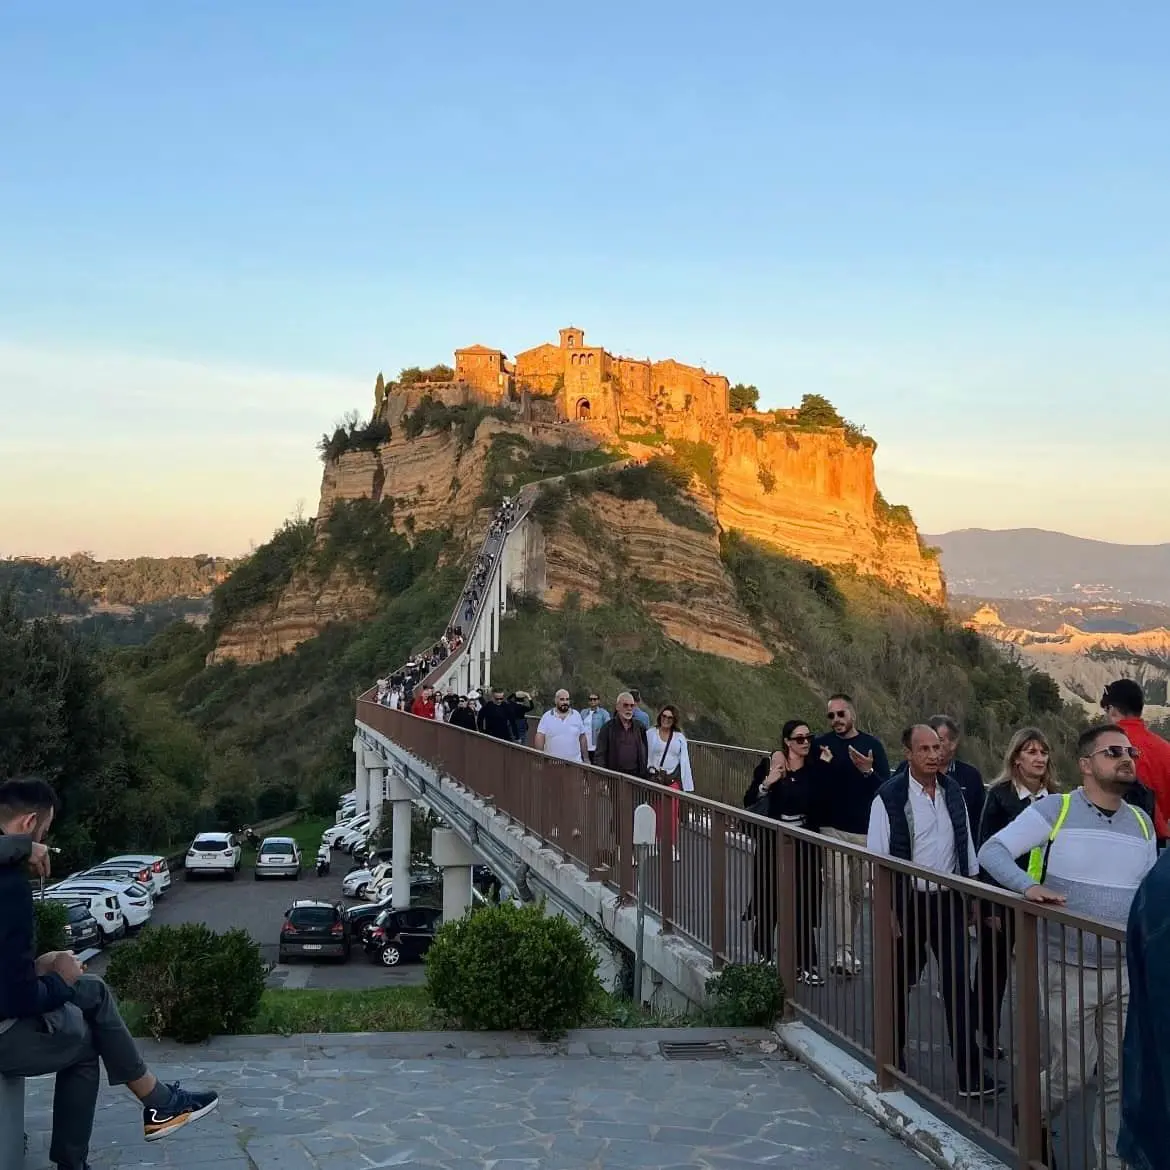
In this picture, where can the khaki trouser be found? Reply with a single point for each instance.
(844, 886)
(1086, 1015)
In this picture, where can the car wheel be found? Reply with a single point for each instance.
(297, 875)
(391, 956)
(345, 955)
(360, 892)
(256, 876)
(231, 875)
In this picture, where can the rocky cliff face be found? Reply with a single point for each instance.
(303, 609)
(812, 494)
(610, 548)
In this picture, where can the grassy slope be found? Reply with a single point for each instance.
(900, 659)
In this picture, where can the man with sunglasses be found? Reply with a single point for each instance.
(595, 717)
(854, 766)
(1092, 851)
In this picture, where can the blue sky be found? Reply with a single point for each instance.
(219, 221)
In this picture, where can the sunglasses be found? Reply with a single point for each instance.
(800, 739)
(838, 714)
(593, 698)
(1116, 752)
(665, 718)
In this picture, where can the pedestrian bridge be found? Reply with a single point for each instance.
(740, 887)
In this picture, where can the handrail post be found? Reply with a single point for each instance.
(1029, 1143)
(623, 839)
(718, 847)
(666, 831)
(786, 894)
(884, 946)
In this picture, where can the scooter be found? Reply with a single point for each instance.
(324, 857)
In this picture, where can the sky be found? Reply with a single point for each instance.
(219, 221)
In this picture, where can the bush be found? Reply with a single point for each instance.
(323, 798)
(509, 967)
(49, 918)
(746, 995)
(190, 982)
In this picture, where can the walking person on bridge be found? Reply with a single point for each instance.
(1123, 703)
(668, 762)
(621, 743)
(855, 768)
(55, 1019)
(787, 787)
(494, 717)
(1028, 775)
(560, 731)
(919, 816)
(424, 704)
(595, 717)
(1092, 851)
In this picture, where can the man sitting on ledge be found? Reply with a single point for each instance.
(54, 1018)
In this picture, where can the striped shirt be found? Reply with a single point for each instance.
(1097, 860)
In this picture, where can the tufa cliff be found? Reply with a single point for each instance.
(436, 451)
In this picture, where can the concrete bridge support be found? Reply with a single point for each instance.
(456, 858)
(399, 796)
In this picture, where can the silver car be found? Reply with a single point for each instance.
(278, 857)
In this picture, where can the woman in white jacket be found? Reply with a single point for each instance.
(669, 763)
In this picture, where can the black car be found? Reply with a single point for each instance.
(81, 928)
(315, 930)
(363, 916)
(398, 936)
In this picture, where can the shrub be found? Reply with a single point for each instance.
(509, 967)
(746, 995)
(49, 919)
(323, 798)
(189, 981)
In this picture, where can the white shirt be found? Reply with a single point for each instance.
(1030, 797)
(933, 845)
(440, 711)
(672, 759)
(395, 700)
(562, 737)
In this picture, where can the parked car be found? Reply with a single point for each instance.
(314, 929)
(125, 871)
(213, 853)
(335, 832)
(357, 838)
(362, 917)
(399, 936)
(357, 881)
(425, 885)
(133, 899)
(102, 904)
(159, 867)
(278, 857)
(81, 928)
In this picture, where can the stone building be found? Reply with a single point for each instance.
(486, 370)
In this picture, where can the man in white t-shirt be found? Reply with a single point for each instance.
(561, 733)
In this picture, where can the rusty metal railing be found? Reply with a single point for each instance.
(1005, 1015)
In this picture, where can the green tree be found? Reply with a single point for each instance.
(743, 397)
(816, 410)
(1044, 693)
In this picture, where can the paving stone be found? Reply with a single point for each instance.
(555, 1112)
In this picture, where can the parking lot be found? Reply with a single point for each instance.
(258, 908)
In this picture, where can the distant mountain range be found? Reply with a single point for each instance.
(1030, 562)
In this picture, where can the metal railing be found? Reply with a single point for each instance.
(941, 983)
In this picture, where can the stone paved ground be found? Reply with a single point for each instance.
(360, 1106)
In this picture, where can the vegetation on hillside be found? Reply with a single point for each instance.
(412, 375)
(352, 434)
(71, 585)
(741, 397)
(514, 460)
(900, 659)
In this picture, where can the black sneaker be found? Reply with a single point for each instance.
(984, 1087)
(184, 1108)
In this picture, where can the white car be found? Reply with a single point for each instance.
(134, 900)
(357, 836)
(278, 857)
(102, 904)
(115, 871)
(160, 870)
(355, 884)
(335, 832)
(213, 853)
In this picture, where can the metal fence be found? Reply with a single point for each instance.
(1005, 1015)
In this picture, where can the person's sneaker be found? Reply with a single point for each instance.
(984, 1087)
(184, 1108)
(811, 979)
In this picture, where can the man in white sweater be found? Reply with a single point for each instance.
(1088, 850)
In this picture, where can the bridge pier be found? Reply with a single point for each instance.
(375, 787)
(457, 860)
(361, 778)
(399, 796)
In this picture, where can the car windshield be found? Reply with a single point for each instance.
(137, 891)
(383, 919)
(210, 845)
(313, 916)
(276, 847)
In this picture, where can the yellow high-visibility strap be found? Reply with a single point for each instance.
(1038, 857)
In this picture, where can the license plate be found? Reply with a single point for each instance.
(312, 946)
(208, 856)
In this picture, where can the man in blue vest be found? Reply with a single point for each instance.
(919, 816)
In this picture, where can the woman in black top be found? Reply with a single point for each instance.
(785, 787)
(1028, 775)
